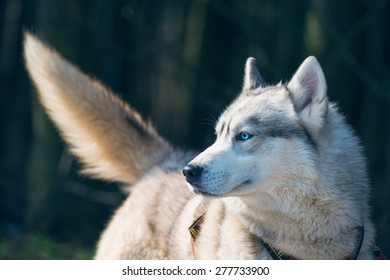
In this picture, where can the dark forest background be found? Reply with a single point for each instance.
(179, 63)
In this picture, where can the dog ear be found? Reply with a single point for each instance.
(252, 78)
(308, 93)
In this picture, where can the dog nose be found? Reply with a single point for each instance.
(192, 172)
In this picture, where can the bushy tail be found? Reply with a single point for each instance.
(110, 138)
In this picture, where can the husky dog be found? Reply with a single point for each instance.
(285, 178)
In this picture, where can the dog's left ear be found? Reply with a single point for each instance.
(252, 78)
(308, 93)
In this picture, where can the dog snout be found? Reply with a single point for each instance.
(192, 173)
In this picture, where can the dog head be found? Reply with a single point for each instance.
(266, 135)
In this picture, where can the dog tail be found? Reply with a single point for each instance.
(110, 138)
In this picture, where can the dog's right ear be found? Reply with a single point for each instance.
(111, 139)
(252, 78)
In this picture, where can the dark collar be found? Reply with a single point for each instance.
(278, 255)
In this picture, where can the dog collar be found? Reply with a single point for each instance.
(278, 255)
(196, 227)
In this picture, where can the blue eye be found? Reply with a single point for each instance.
(243, 136)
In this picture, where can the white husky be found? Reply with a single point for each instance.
(285, 178)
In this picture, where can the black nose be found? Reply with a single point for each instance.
(192, 172)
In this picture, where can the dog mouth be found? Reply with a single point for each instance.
(243, 184)
(204, 193)
(197, 189)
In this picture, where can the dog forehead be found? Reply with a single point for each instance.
(269, 102)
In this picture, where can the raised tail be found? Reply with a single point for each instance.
(111, 139)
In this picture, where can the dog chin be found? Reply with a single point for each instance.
(237, 190)
(197, 190)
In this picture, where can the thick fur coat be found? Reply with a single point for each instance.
(285, 169)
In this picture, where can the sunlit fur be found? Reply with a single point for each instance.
(299, 182)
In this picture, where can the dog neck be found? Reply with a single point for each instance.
(307, 228)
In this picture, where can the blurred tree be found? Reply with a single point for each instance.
(179, 63)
